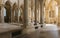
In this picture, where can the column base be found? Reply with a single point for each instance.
(35, 24)
(36, 27)
(41, 26)
(39, 23)
(28, 29)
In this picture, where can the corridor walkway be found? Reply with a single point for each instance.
(50, 31)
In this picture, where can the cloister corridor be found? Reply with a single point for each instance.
(29, 18)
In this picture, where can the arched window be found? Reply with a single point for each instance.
(4, 12)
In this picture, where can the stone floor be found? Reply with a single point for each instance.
(4, 27)
(48, 32)
(38, 34)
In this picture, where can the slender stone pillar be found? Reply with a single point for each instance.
(28, 27)
(36, 4)
(38, 13)
(41, 12)
(32, 10)
(2, 14)
(16, 15)
(18, 10)
(12, 16)
(25, 14)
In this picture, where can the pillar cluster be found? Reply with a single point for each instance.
(36, 12)
(36, 16)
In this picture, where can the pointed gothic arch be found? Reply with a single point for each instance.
(14, 12)
(8, 11)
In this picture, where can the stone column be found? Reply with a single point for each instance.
(18, 10)
(41, 12)
(38, 15)
(32, 10)
(36, 4)
(12, 16)
(16, 15)
(25, 14)
(25, 17)
(2, 14)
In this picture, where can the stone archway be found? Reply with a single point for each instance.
(15, 13)
(8, 12)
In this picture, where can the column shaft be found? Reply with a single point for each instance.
(18, 10)
(16, 15)
(12, 16)
(36, 4)
(38, 15)
(41, 12)
(25, 14)
(2, 15)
